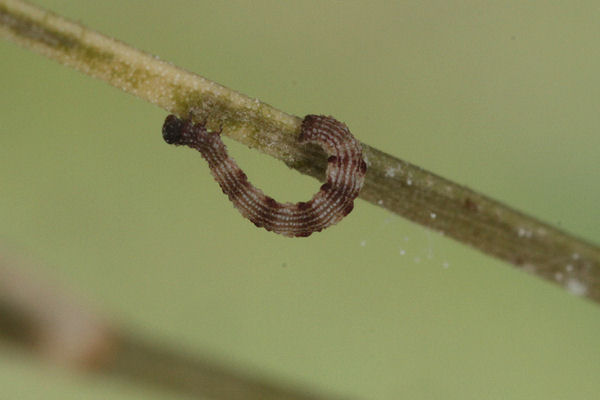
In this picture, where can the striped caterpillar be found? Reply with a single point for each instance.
(345, 175)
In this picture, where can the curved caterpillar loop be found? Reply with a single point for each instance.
(345, 175)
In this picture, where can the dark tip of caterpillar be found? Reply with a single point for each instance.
(172, 129)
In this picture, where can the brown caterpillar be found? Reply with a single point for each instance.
(345, 175)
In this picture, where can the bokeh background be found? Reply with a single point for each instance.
(500, 96)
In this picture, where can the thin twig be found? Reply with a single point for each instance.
(34, 313)
(58, 327)
(391, 183)
(153, 364)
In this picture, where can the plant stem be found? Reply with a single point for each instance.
(56, 326)
(391, 183)
(152, 364)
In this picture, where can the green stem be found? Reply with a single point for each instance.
(391, 183)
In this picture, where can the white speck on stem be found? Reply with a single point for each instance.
(575, 256)
(569, 268)
(445, 264)
(522, 232)
(390, 172)
(402, 252)
(575, 287)
(380, 202)
(433, 215)
(363, 243)
(558, 276)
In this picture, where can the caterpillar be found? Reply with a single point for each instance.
(335, 199)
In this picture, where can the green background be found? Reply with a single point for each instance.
(500, 96)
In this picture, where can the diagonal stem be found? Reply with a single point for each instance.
(391, 183)
(58, 327)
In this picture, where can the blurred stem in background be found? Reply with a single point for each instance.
(58, 327)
